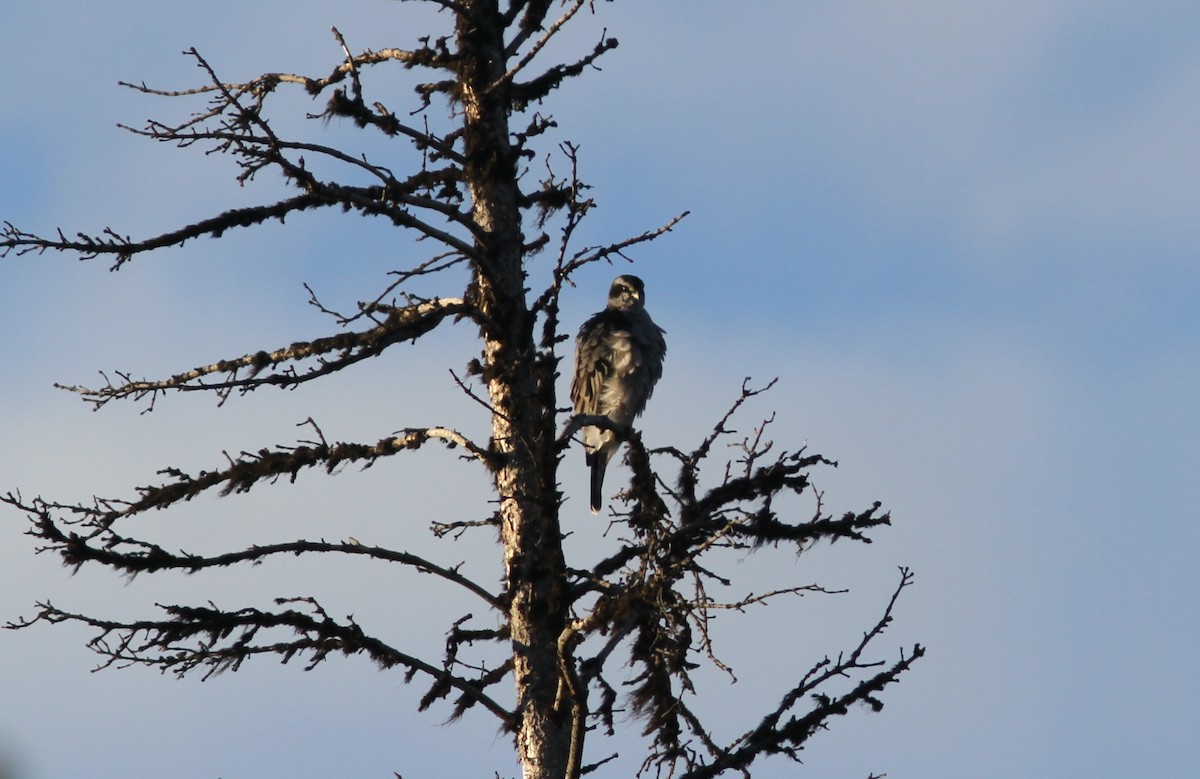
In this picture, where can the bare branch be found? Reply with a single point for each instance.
(457, 528)
(133, 557)
(579, 421)
(124, 248)
(236, 134)
(246, 471)
(761, 599)
(192, 638)
(595, 254)
(525, 93)
(772, 736)
(531, 21)
(265, 149)
(401, 324)
(541, 42)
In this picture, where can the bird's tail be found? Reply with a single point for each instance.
(599, 463)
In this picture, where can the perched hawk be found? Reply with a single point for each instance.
(618, 358)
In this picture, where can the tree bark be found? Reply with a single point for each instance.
(520, 390)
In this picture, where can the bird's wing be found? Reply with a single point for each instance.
(593, 361)
(650, 349)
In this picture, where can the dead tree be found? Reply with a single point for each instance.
(565, 632)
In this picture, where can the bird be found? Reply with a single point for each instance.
(618, 359)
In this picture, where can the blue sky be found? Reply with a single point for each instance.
(962, 236)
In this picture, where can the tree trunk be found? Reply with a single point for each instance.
(520, 389)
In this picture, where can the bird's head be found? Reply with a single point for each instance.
(627, 293)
